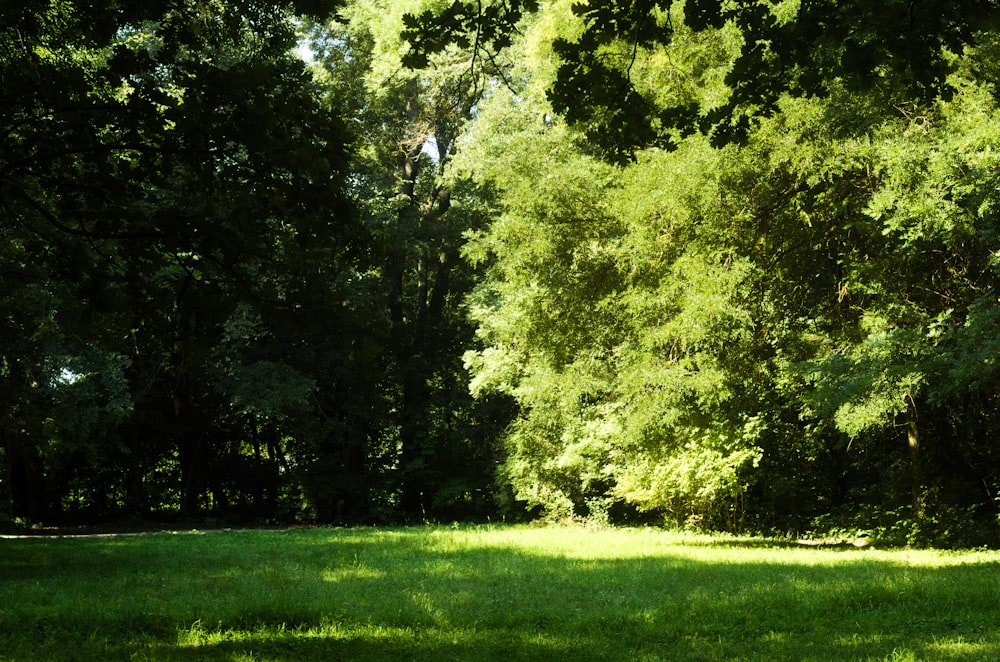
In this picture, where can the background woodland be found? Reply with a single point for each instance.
(728, 265)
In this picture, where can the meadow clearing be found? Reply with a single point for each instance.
(489, 593)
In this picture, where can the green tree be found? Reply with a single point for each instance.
(789, 326)
(162, 167)
(431, 445)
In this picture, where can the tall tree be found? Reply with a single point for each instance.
(768, 331)
(432, 443)
(162, 165)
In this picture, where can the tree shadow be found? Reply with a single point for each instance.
(408, 594)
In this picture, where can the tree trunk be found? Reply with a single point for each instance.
(915, 459)
(191, 457)
(413, 433)
(26, 482)
(135, 494)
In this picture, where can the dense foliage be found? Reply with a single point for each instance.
(787, 327)
(727, 264)
(215, 284)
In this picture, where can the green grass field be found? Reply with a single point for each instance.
(488, 593)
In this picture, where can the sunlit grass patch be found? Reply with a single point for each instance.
(478, 593)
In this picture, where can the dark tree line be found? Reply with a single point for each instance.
(202, 312)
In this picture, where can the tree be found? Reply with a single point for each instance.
(609, 357)
(770, 330)
(163, 166)
(431, 446)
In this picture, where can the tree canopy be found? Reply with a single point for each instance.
(898, 50)
(768, 321)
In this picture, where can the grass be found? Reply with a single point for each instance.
(488, 593)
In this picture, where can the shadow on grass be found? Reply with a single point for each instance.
(423, 595)
(484, 646)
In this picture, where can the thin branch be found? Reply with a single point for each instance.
(475, 47)
(76, 232)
